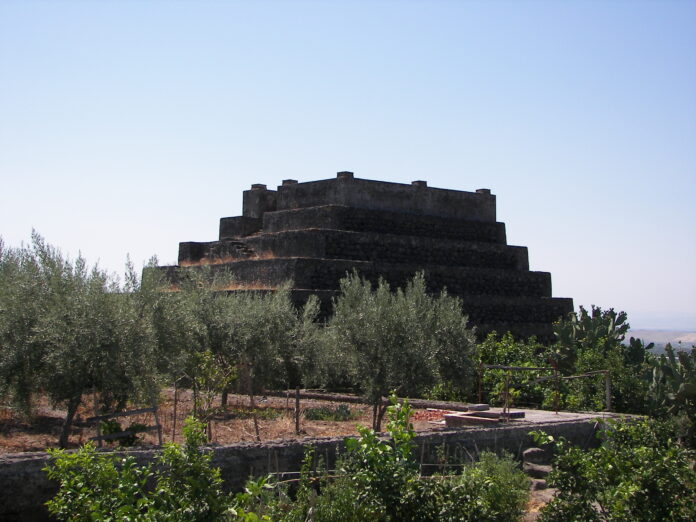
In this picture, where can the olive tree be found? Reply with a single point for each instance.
(268, 341)
(68, 329)
(21, 302)
(404, 340)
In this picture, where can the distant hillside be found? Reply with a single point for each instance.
(679, 339)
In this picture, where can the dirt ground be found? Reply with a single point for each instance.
(276, 421)
(235, 424)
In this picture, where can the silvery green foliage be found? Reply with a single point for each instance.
(271, 343)
(403, 340)
(67, 329)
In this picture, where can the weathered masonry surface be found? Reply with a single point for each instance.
(24, 487)
(314, 233)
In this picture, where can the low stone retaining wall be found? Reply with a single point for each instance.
(24, 487)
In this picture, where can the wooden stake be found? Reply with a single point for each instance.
(607, 389)
(297, 410)
(176, 399)
(96, 414)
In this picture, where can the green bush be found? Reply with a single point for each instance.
(112, 426)
(379, 480)
(404, 339)
(260, 413)
(493, 488)
(639, 473)
(673, 391)
(325, 413)
(594, 340)
(508, 351)
(181, 486)
(446, 391)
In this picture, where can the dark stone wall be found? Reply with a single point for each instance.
(325, 274)
(339, 217)
(24, 487)
(339, 244)
(378, 195)
(193, 252)
(239, 226)
(257, 201)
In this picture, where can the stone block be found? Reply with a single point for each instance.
(538, 471)
(457, 420)
(239, 226)
(537, 456)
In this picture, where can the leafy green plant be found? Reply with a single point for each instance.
(382, 470)
(67, 329)
(508, 351)
(595, 340)
(673, 389)
(492, 489)
(386, 478)
(403, 340)
(379, 480)
(446, 391)
(111, 426)
(600, 329)
(639, 472)
(260, 413)
(181, 486)
(325, 413)
(210, 374)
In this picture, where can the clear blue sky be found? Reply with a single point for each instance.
(128, 126)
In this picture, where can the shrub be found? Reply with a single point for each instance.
(405, 340)
(379, 480)
(340, 413)
(97, 486)
(639, 473)
(508, 351)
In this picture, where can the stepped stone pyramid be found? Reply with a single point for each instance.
(314, 233)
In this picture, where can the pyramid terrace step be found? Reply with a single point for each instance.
(523, 316)
(359, 246)
(340, 217)
(325, 274)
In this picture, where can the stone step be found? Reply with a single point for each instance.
(538, 471)
(339, 217)
(390, 248)
(523, 315)
(538, 485)
(537, 456)
(360, 246)
(194, 253)
(325, 274)
(502, 309)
